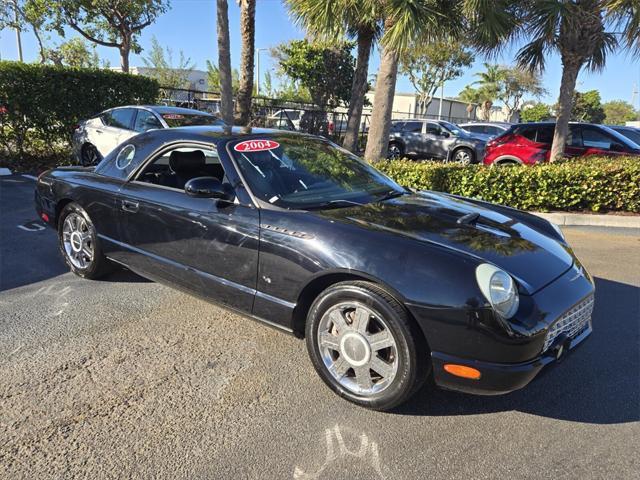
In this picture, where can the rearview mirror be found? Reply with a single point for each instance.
(209, 187)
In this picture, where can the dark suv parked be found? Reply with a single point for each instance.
(434, 139)
(530, 143)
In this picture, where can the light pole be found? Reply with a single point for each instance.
(258, 50)
(18, 40)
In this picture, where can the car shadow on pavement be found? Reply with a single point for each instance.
(598, 382)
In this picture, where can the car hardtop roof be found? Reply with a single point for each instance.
(553, 123)
(208, 133)
(164, 109)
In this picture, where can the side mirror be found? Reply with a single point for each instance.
(209, 187)
(445, 134)
(617, 147)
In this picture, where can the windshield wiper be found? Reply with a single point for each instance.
(334, 203)
(389, 195)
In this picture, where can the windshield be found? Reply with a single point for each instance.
(633, 135)
(454, 129)
(181, 120)
(299, 172)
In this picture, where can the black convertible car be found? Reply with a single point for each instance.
(388, 286)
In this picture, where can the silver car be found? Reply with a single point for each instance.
(486, 130)
(94, 138)
(436, 139)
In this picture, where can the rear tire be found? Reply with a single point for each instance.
(364, 345)
(79, 243)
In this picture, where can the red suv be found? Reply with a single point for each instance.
(530, 143)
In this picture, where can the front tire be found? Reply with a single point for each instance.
(364, 345)
(463, 156)
(79, 244)
(395, 151)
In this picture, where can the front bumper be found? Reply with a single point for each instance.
(499, 378)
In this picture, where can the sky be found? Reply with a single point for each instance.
(190, 26)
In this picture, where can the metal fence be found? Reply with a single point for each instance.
(289, 115)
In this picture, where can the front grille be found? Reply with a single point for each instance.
(571, 323)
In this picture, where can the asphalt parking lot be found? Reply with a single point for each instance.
(125, 378)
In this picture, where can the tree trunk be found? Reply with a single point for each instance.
(378, 138)
(358, 90)
(570, 71)
(124, 48)
(247, 32)
(224, 62)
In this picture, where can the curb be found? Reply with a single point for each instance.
(591, 220)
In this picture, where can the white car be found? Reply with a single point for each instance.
(94, 138)
(285, 119)
(486, 130)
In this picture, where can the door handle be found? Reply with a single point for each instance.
(128, 206)
(98, 131)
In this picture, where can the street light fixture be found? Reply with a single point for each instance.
(258, 50)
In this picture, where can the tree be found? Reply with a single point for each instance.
(482, 97)
(268, 84)
(160, 63)
(75, 53)
(430, 65)
(358, 19)
(577, 30)
(326, 70)
(485, 24)
(223, 75)
(587, 107)
(213, 80)
(618, 112)
(515, 85)
(18, 14)
(537, 112)
(110, 23)
(247, 33)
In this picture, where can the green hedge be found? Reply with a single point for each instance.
(593, 184)
(39, 104)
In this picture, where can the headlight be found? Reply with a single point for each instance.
(499, 289)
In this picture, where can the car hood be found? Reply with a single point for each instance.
(531, 257)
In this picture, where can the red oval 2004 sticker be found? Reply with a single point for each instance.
(256, 146)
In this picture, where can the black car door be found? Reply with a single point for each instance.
(206, 246)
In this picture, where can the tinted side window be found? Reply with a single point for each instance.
(473, 128)
(397, 126)
(492, 130)
(594, 138)
(527, 132)
(434, 128)
(412, 127)
(146, 120)
(545, 134)
(121, 118)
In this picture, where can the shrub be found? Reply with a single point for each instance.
(594, 184)
(41, 103)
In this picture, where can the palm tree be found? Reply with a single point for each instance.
(487, 23)
(577, 31)
(359, 19)
(247, 33)
(224, 62)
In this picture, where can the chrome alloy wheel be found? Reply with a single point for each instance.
(357, 348)
(77, 240)
(462, 156)
(394, 152)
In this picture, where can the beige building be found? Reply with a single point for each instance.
(408, 105)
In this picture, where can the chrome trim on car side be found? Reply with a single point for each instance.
(215, 278)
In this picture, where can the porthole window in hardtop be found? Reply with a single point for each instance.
(125, 156)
